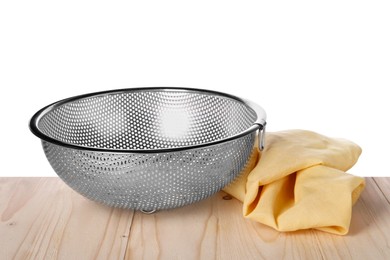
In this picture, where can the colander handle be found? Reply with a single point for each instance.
(261, 136)
(259, 123)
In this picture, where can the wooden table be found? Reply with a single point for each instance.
(41, 218)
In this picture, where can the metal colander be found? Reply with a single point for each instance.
(149, 148)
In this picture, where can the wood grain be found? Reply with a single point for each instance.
(41, 218)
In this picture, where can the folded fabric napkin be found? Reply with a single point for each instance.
(298, 182)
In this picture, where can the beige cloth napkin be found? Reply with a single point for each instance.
(299, 182)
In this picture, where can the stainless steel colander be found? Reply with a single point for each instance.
(149, 148)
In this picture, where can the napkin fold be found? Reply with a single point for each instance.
(299, 181)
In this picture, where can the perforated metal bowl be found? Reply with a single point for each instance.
(149, 148)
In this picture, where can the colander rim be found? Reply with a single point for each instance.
(259, 123)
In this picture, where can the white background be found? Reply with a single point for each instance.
(317, 65)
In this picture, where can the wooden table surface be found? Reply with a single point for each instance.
(41, 218)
